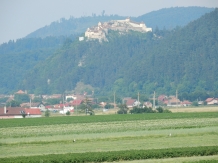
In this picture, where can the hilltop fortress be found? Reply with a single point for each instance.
(99, 32)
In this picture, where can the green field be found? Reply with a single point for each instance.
(192, 135)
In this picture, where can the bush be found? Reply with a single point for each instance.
(118, 155)
(68, 112)
(166, 111)
(137, 110)
(122, 111)
(195, 103)
(47, 113)
(160, 110)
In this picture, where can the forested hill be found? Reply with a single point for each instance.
(170, 18)
(167, 18)
(17, 58)
(185, 59)
(71, 26)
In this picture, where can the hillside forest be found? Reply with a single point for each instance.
(182, 58)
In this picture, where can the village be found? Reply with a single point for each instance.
(71, 102)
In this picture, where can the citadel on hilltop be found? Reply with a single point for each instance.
(99, 32)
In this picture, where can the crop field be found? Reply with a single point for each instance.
(175, 137)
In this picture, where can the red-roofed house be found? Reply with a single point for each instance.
(211, 101)
(16, 112)
(20, 92)
(186, 103)
(148, 104)
(130, 103)
(77, 102)
(162, 98)
(33, 113)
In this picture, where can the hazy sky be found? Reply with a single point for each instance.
(21, 17)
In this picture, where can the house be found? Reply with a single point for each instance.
(33, 113)
(211, 101)
(20, 92)
(130, 103)
(17, 112)
(77, 102)
(162, 98)
(148, 104)
(173, 102)
(33, 105)
(186, 103)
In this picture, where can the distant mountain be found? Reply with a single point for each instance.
(184, 59)
(71, 26)
(167, 18)
(170, 18)
(18, 58)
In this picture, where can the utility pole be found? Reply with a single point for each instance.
(114, 101)
(154, 101)
(176, 99)
(138, 99)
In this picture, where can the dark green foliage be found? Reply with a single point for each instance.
(4, 99)
(24, 114)
(112, 156)
(22, 98)
(71, 26)
(68, 113)
(13, 103)
(123, 109)
(139, 110)
(37, 99)
(178, 60)
(166, 111)
(197, 95)
(47, 113)
(17, 58)
(164, 18)
(195, 103)
(170, 18)
(53, 101)
(160, 109)
(108, 106)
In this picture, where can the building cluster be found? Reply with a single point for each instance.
(101, 30)
(72, 101)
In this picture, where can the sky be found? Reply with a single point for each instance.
(18, 18)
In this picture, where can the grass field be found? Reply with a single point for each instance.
(56, 135)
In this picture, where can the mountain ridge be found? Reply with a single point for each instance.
(137, 62)
(164, 18)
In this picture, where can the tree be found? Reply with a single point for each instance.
(22, 97)
(195, 103)
(68, 112)
(13, 103)
(37, 99)
(23, 114)
(47, 113)
(108, 106)
(53, 101)
(87, 102)
(160, 109)
(123, 109)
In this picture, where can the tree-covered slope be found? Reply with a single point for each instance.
(71, 26)
(168, 18)
(185, 59)
(17, 58)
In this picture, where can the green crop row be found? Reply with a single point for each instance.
(116, 155)
(100, 118)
